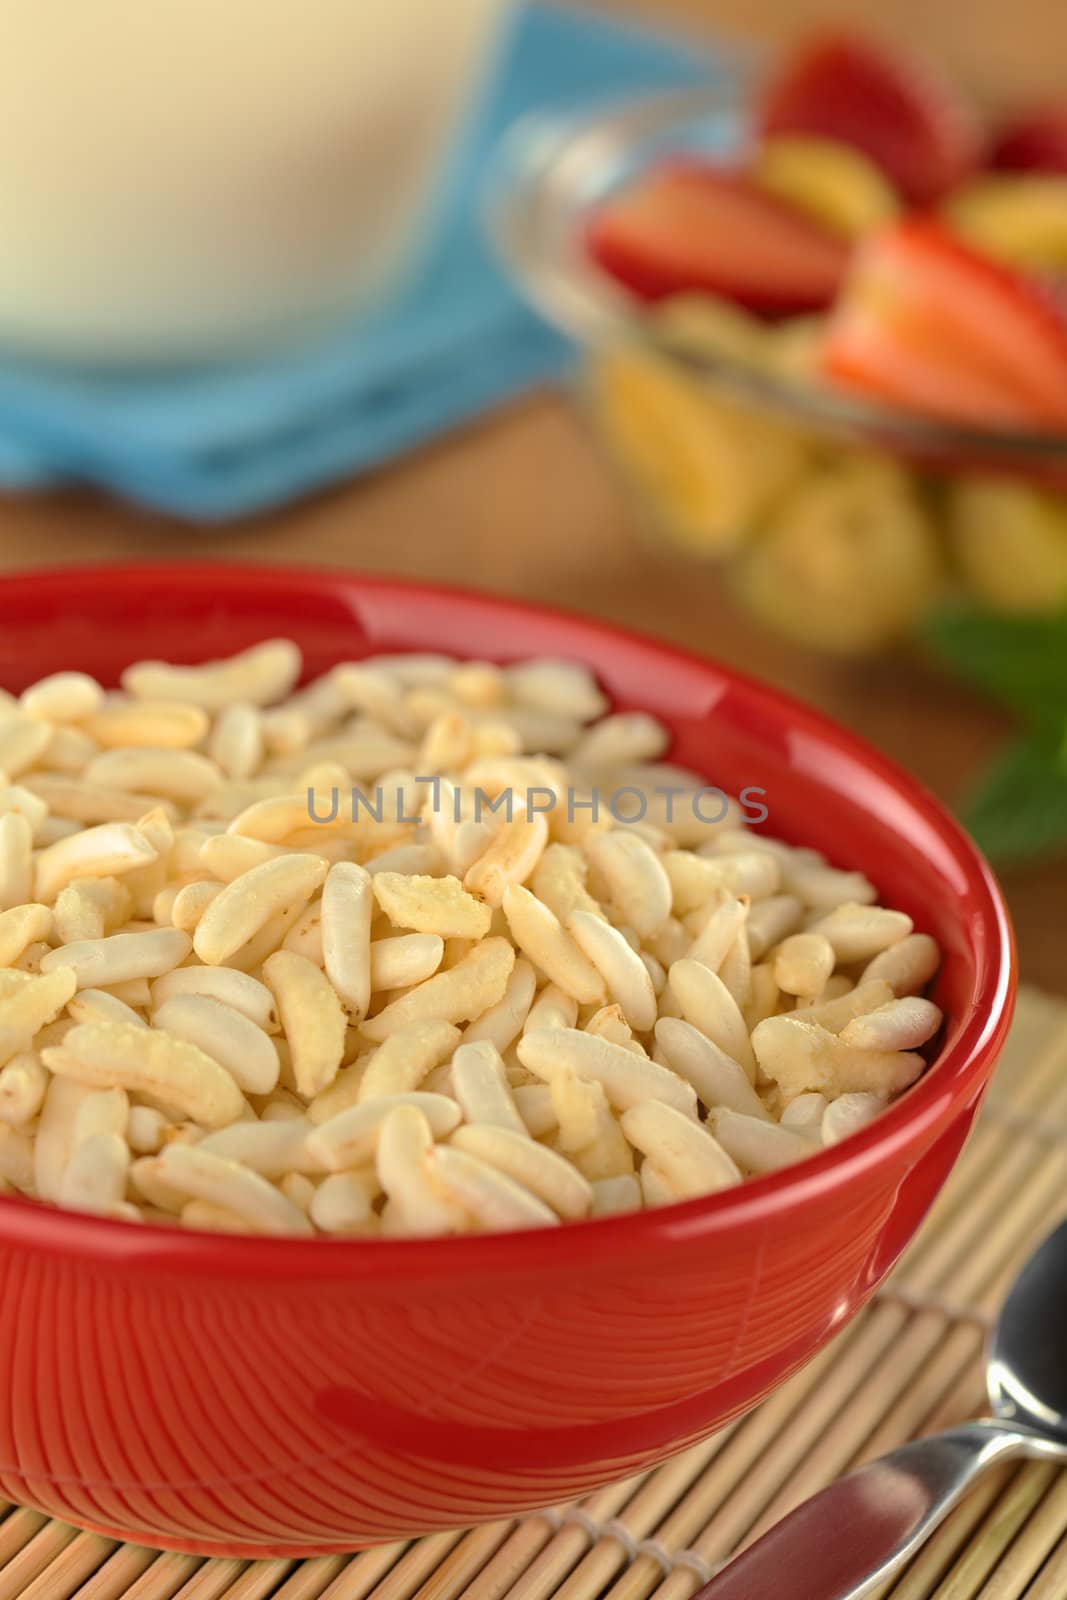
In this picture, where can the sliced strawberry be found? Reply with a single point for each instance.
(692, 226)
(898, 111)
(1035, 143)
(930, 325)
(865, 354)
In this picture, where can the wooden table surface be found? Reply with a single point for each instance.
(522, 504)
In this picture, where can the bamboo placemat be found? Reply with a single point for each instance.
(910, 1364)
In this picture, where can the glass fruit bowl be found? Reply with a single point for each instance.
(840, 520)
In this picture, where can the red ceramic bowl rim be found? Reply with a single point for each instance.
(921, 1114)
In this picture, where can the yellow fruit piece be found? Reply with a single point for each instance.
(1021, 220)
(830, 181)
(848, 563)
(707, 470)
(704, 325)
(1010, 544)
(794, 349)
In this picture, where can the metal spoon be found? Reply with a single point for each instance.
(846, 1540)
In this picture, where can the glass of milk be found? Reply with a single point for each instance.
(184, 180)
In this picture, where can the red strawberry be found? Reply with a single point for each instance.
(931, 325)
(692, 226)
(897, 110)
(1035, 143)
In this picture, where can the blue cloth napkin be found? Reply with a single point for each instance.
(216, 443)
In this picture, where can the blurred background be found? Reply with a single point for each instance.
(248, 311)
(1003, 52)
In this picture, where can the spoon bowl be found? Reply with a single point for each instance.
(879, 1516)
(1026, 1374)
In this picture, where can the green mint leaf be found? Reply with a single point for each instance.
(1022, 661)
(1019, 810)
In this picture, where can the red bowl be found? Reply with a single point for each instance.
(259, 1397)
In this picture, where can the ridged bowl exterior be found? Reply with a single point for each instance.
(256, 1397)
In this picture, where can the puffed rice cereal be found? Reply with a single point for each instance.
(425, 947)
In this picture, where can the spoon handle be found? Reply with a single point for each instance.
(844, 1541)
